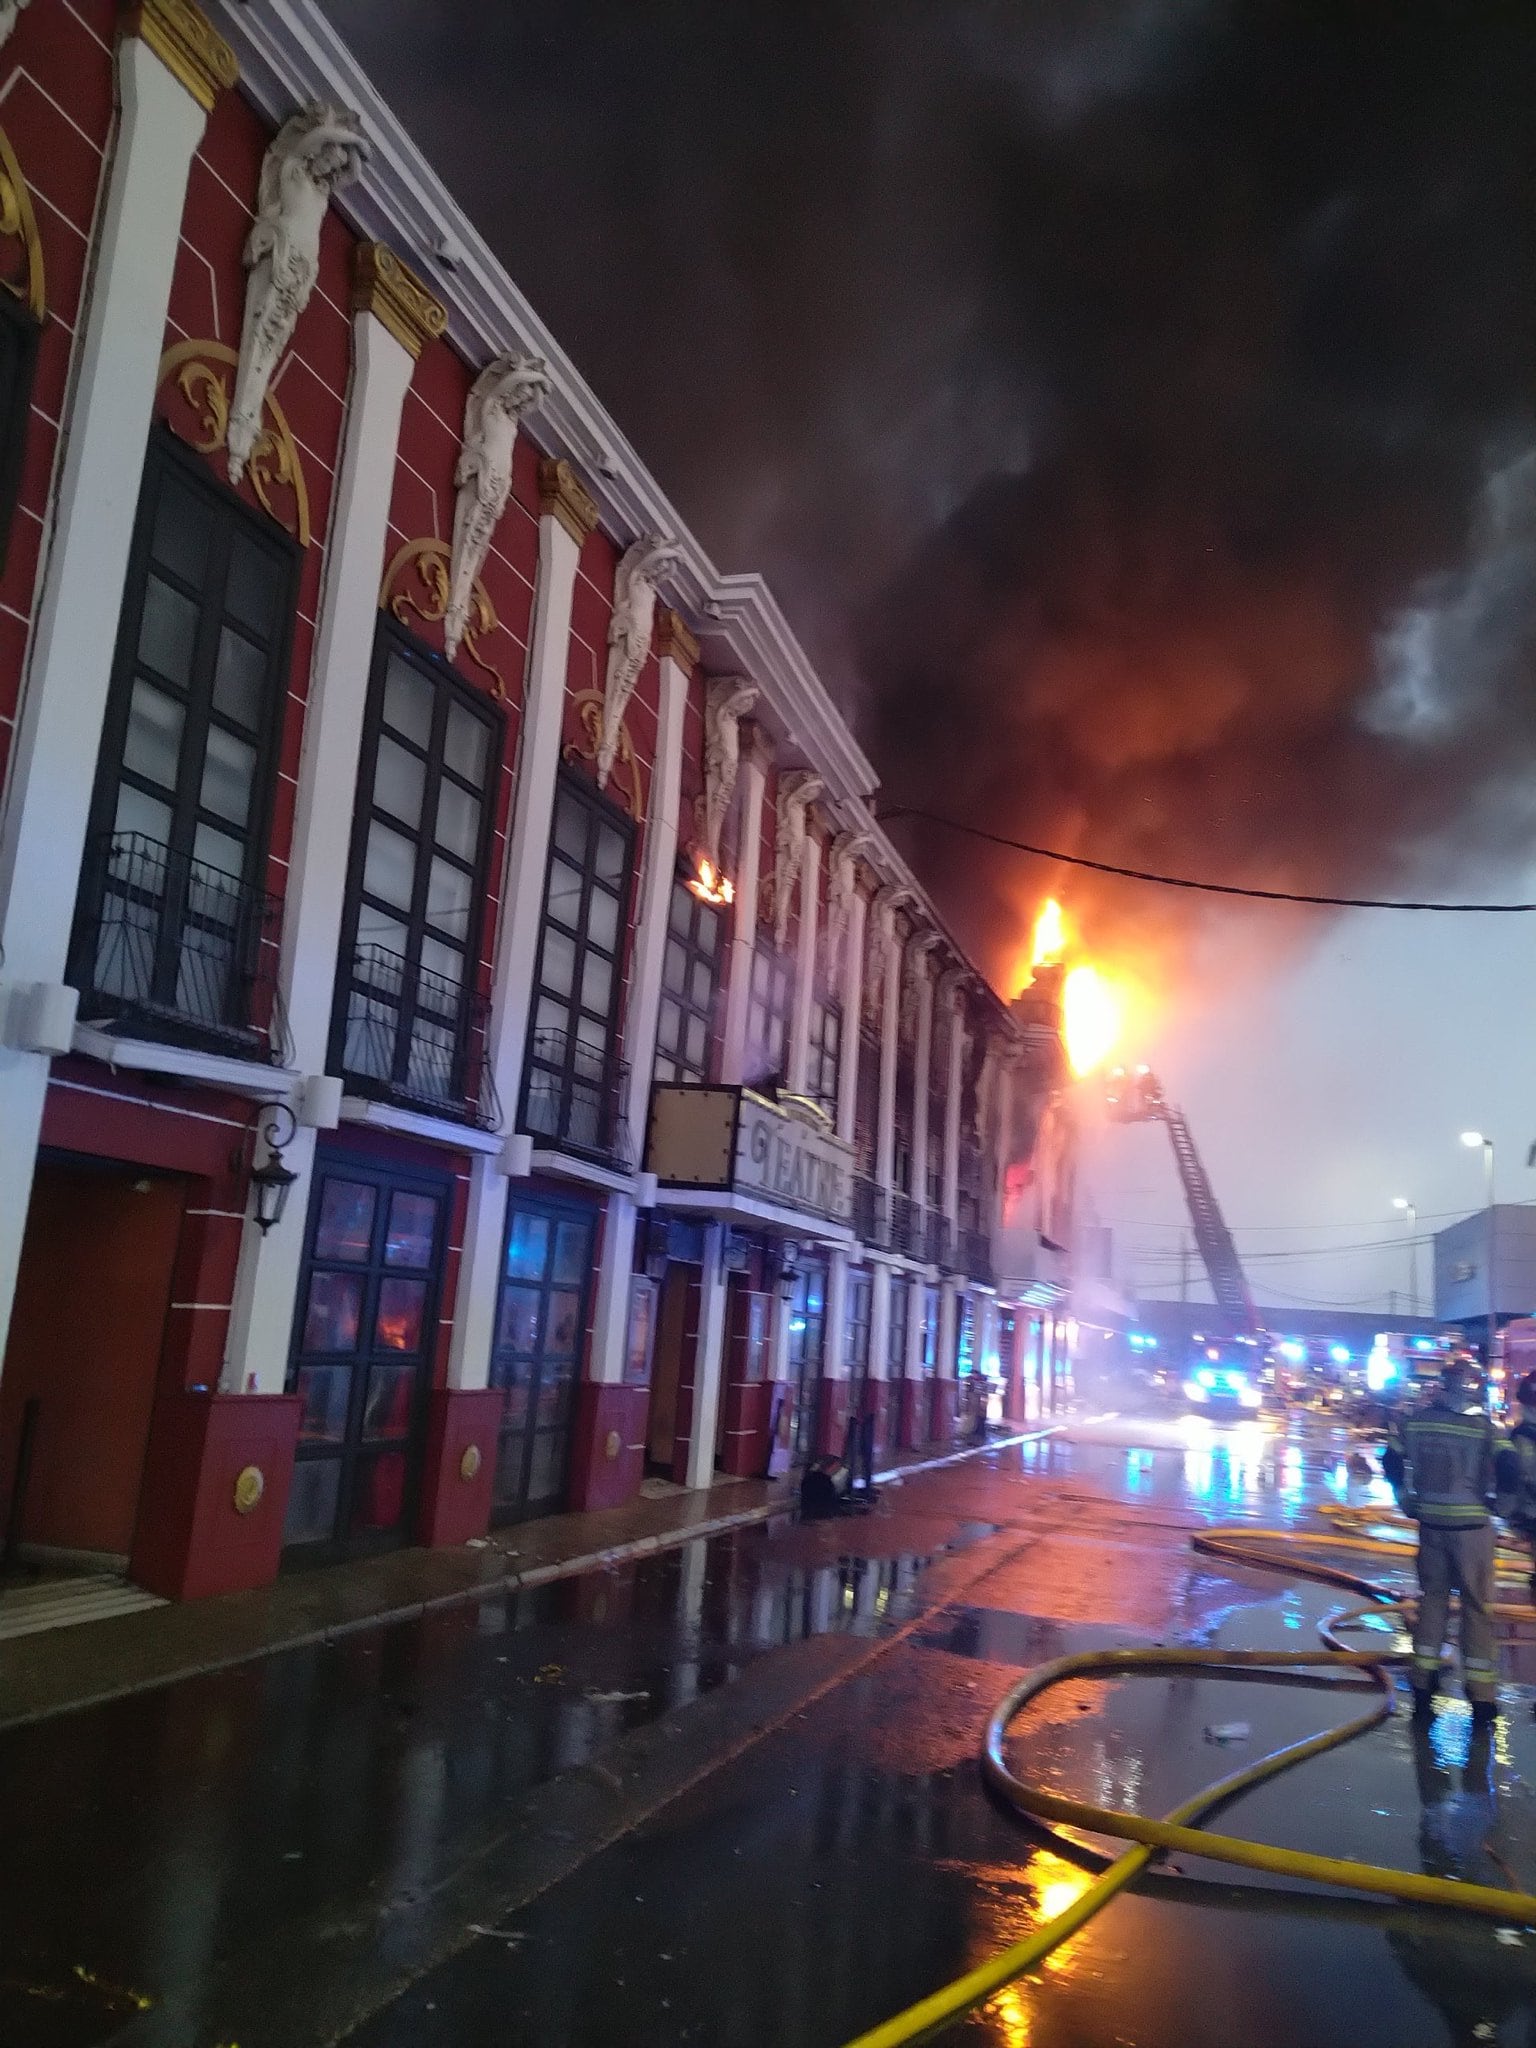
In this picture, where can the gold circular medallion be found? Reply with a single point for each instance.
(250, 1485)
(469, 1464)
(613, 1444)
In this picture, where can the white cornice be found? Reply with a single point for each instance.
(290, 54)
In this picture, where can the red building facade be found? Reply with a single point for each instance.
(464, 1041)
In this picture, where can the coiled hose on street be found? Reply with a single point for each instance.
(1269, 1549)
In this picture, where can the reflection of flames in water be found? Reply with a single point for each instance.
(1092, 1004)
(1008, 1912)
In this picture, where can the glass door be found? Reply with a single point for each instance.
(807, 1343)
(362, 1357)
(541, 1320)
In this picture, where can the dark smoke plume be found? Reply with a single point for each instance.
(1132, 400)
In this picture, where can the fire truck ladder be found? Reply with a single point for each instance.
(1139, 1098)
(1223, 1268)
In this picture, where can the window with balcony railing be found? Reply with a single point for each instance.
(410, 1026)
(175, 934)
(573, 1083)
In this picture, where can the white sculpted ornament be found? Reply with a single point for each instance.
(629, 636)
(313, 154)
(9, 9)
(841, 891)
(726, 704)
(504, 390)
(797, 793)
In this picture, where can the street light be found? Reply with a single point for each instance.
(1411, 1218)
(1472, 1139)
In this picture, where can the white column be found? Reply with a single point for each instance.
(566, 516)
(805, 964)
(853, 1007)
(879, 1319)
(111, 402)
(749, 842)
(708, 1361)
(890, 1030)
(924, 1058)
(266, 1282)
(955, 1047)
(615, 1269)
(678, 653)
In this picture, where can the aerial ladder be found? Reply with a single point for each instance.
(1137, 1097)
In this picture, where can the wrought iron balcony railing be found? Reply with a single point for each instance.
(973, 1256)
(172, 949)
(418, 1039)
(871, 1211)
(573, 1097)
(906, 1226)
(937, 1238)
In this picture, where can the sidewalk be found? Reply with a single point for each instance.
(66, 1668)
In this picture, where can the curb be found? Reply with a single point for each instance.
(509, 1581)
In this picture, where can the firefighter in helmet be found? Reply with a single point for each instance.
(1441, 1465)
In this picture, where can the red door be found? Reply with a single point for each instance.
(86, 1332)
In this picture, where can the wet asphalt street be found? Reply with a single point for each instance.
(728, 1795)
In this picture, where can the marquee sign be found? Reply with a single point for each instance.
(743, 1143)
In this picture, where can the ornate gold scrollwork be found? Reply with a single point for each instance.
(589, 709)
(430, 560)
(198, 371)
(18, 223)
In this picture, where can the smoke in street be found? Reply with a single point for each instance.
(1131, 400)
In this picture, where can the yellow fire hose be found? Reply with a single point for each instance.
(1247, 1546)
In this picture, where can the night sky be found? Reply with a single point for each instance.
(1133, 408)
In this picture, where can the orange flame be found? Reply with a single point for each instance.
(711, 885)
(1050, 937)
(1092, 1016)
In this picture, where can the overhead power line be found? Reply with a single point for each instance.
(1105, 867)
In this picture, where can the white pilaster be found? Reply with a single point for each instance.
(879, 1319)
(661, 837)
(708, 1361)
(853, 1009)
(266, 1282)
(955, 1048)
(805, 964)
(924, 1059)
(565, 516)
(749, 841)
(53, 755)
(615, 1268)
(890, 1031)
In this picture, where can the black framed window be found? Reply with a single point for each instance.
(19, 333)
(690, 972)
(408, 1022)
(571, 1085)
(824, 1053)
(768, 1002)
(172, 921)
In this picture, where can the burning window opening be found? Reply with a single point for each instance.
(710, 885)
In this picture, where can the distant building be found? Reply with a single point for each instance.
(1466, 1251)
